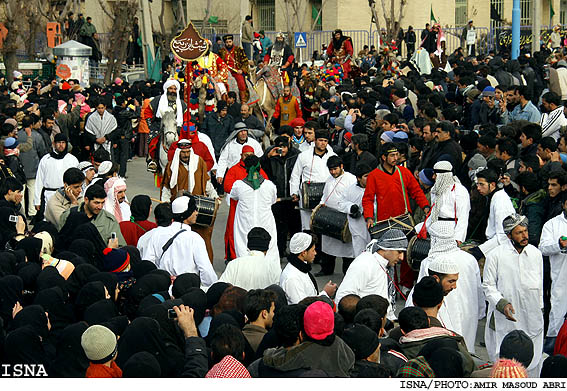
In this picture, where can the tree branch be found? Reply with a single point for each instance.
(105, 10)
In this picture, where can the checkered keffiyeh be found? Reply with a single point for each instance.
(417, 367)
(228, 367)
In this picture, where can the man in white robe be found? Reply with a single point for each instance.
(50, 171)
(333, 194)
(254, 271)
(296, 279)
(230, 154)
(255, 196)
(372, 272)
(464, 305)
(450, 201)
(553, 244)
(177, 249)
(99, 125)
(513, 285)
(116, 202)
(352, 204)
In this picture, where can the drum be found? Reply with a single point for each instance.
(311, 193)
(207, 209)
(418, 249)
(330, 222)
(471, 244)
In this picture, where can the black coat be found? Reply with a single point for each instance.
(218, 129)
(278, 169)
(448, 150)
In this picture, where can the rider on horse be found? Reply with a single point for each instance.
(340, 49)
(281, 57)
(235, 58)
(158, 105)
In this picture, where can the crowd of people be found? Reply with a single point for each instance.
(444, 194)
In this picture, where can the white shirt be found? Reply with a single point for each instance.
(253, 271)
(333, 194)
(309, 167)
(518, 278)
(187, 253)
(148, 239)
(50, 175)
(254, 209)
(500, 208)
(464, 305)
(297, 285)
(367, 275)
(230, 155)
(552, 122)
(360, 235)
(549, 246)
(455, 203)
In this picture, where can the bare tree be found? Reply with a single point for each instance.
(392, 19)
(121, 13)
(164, 36)
(15, 24)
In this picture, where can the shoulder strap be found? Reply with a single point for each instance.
(403, 188)
(168, 244)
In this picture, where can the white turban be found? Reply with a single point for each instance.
(445, 264)
(163, 103)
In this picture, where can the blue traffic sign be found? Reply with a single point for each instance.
(300, 40)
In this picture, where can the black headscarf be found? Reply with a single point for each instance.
(148, 284)
(32, 316)
(23, 346)
(83, 248)
(29, 272)
(54, 301)
(8, 262)
(135, 257)
(215, 292)
(100, 312)
(67, 233)
(140, 207)
(168, 328)
(196, 299)
(184, 282)
(143, 334)
(7, 228)
(338, 42)
(11, 288)
(109, 280)
(79, 278)
(141, 365)
(49, 278)
(90, 232)
(71, 361)
(32, 247)
(153, 299)
(143, 268)
(89, 294)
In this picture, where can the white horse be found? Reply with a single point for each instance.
(168, 136)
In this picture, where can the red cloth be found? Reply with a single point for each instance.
(132, 232)
(278, 108)
(102, 371)
(239, 80)
(234, 173)
(389, 196)
(200, 148)
(228, 367)
(348, 50)
(561, 341)
(152, 148)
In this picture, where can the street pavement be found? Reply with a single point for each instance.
(142, 182)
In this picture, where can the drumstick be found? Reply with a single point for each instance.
(156, 200)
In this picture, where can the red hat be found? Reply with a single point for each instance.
(65, 86)
(348, 136)
(297, 122)
(319, 320)
(247, 148)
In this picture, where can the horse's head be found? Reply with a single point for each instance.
(198, 82)
(169, 127)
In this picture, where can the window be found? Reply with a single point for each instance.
(211, 30)
(266, 15)
(316, 17)
(525, 12)
(461, 13)
(498, 6)
(563, 12)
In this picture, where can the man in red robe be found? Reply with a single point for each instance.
(235, 173)
(237, 62)
(189, 132)
(341, 49)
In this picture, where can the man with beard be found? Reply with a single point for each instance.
(340, 50)
(254, 125)
(333, 193)
(465, 305)
(235, 58)
(187, 171)
(50, 171)
(553, 117)
(512, 283)
(280, 56)
(66, 197)
(116, 203)
(154, 112)
(99, 126)
(287, 108)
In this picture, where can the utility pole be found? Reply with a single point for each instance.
(147, 34)
(516, 14)
(536, 25)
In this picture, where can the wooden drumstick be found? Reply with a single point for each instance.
(156, 200)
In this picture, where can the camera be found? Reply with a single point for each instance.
(171, 314)
(13, 219)
(279, 150)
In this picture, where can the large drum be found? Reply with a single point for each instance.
(418, 249)
(311, 193)
(207, 209)
(330, 222)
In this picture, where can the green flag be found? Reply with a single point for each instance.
(213, 19)
(551, 11)
(432, 17)
(314, 12)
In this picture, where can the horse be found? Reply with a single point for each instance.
(168, 135)
(206, 98)
(266, 106)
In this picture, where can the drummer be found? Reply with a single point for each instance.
(333, 195)
(188, 172)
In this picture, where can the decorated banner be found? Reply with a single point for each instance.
(189, 45)
(504, 37)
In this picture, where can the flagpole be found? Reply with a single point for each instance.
(516, 30)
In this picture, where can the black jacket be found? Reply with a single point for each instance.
(351, 159)
(124, 129)
(278, 169)
(448, 150)
(196, 358)
(218, 129)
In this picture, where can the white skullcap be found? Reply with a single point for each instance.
(300, 242)
(83, 166)
(443, 166)
(104, 168)
(442, 229)
(17, 74)
(444, 264)
(180, 205)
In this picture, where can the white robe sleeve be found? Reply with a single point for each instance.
(295, 177)
(463, 206)
(549, 243)
(490, 279)
(223, 162)
(165, 194)
(39, 178)
(201, 258)
(295, 290)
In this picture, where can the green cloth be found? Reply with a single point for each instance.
(432, 17)
(254, 177)
(213, 19)
(87, 29)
